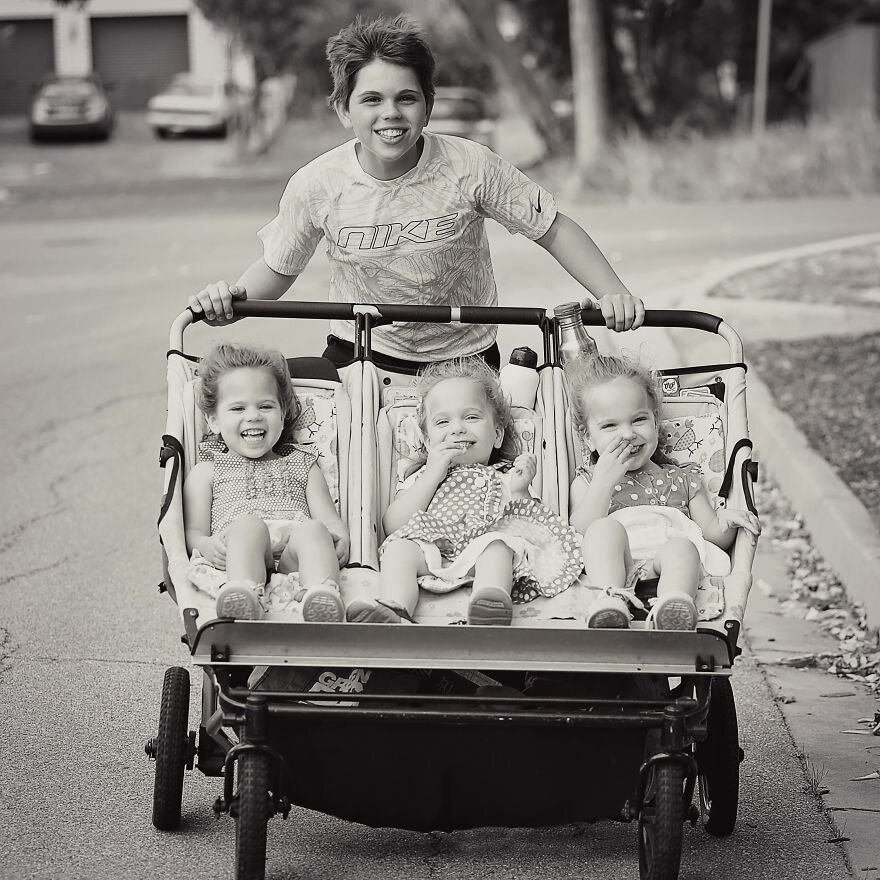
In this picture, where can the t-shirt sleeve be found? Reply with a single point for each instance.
(512, 199)
(289, 241)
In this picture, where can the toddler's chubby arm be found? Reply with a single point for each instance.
(323, 509)
(579, 255)
(421, 493)
(525, 466)
(720, 526)
(589, 500)
(257, 282)
(197, 499)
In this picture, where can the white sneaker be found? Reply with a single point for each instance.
(239, 600)
(673, 611)
(323, 604)
(608, 612)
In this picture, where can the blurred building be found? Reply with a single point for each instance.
(136, 46)
(845, 71)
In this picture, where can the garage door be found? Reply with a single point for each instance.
(139, 55)
(27, 54)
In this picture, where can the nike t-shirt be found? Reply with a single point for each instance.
(418, 239)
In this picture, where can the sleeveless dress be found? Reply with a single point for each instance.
(274, 490)
(653, 508)
(471, 509)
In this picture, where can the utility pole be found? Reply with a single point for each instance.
(762, 62)
(587, 65)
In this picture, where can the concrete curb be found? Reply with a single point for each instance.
(838, 522)
(841, 527)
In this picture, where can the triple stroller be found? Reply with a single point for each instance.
(616, 724)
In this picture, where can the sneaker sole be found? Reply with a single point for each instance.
(609, 619)
(323, 608)
(489, 612)
(241, 606)
(372, 614)
(676, 615)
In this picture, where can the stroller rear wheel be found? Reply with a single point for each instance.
(172, 749)
(252, 811)
(660, 822)
(718, 760)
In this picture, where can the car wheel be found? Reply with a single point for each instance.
(223, 130)
(162, 134)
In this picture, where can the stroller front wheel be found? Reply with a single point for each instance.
(660, 822)
(252, 811)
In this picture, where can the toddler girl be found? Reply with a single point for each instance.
(615, 404)
(461, 517)
(248, 508)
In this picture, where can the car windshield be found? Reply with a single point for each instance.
(189, 88)
(457, 108)
(69, 90)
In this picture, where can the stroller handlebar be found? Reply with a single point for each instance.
(377, 315)
(387, 313)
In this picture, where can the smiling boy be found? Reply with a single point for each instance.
(402, 212)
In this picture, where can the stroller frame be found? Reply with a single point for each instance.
(682, 733)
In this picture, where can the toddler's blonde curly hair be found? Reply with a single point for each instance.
(476, 370)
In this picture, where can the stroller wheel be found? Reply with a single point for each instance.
(718, 759)
(660, 822)
(171, 749)
(253, 809)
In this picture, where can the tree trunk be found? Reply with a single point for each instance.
(587, 63)
(483, 16)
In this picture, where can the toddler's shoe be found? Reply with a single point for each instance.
(239, 600)
(608, 612)
(673, 611)
(373, 611)
(323, 604)
(490, 606)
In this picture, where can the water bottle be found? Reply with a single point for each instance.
(519, 378)
(572, 340)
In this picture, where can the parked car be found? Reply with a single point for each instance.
(462, 111)
(193, 106)
(71, 106)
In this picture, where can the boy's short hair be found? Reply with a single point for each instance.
(397, 41)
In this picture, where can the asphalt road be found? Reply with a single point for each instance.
(87, 299)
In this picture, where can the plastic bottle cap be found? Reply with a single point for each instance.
(524, 357)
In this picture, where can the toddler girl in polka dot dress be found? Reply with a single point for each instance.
(248, 508)
(615, 404)
(466, 515)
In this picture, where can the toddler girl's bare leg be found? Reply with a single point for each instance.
(605, 549)
(310, 551)
(248, 558)
(402, 563)
(678, 564)
(490, 603)
(310, 548)
(606, 554)
(248, 550)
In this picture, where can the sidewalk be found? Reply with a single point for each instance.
(822, 712)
